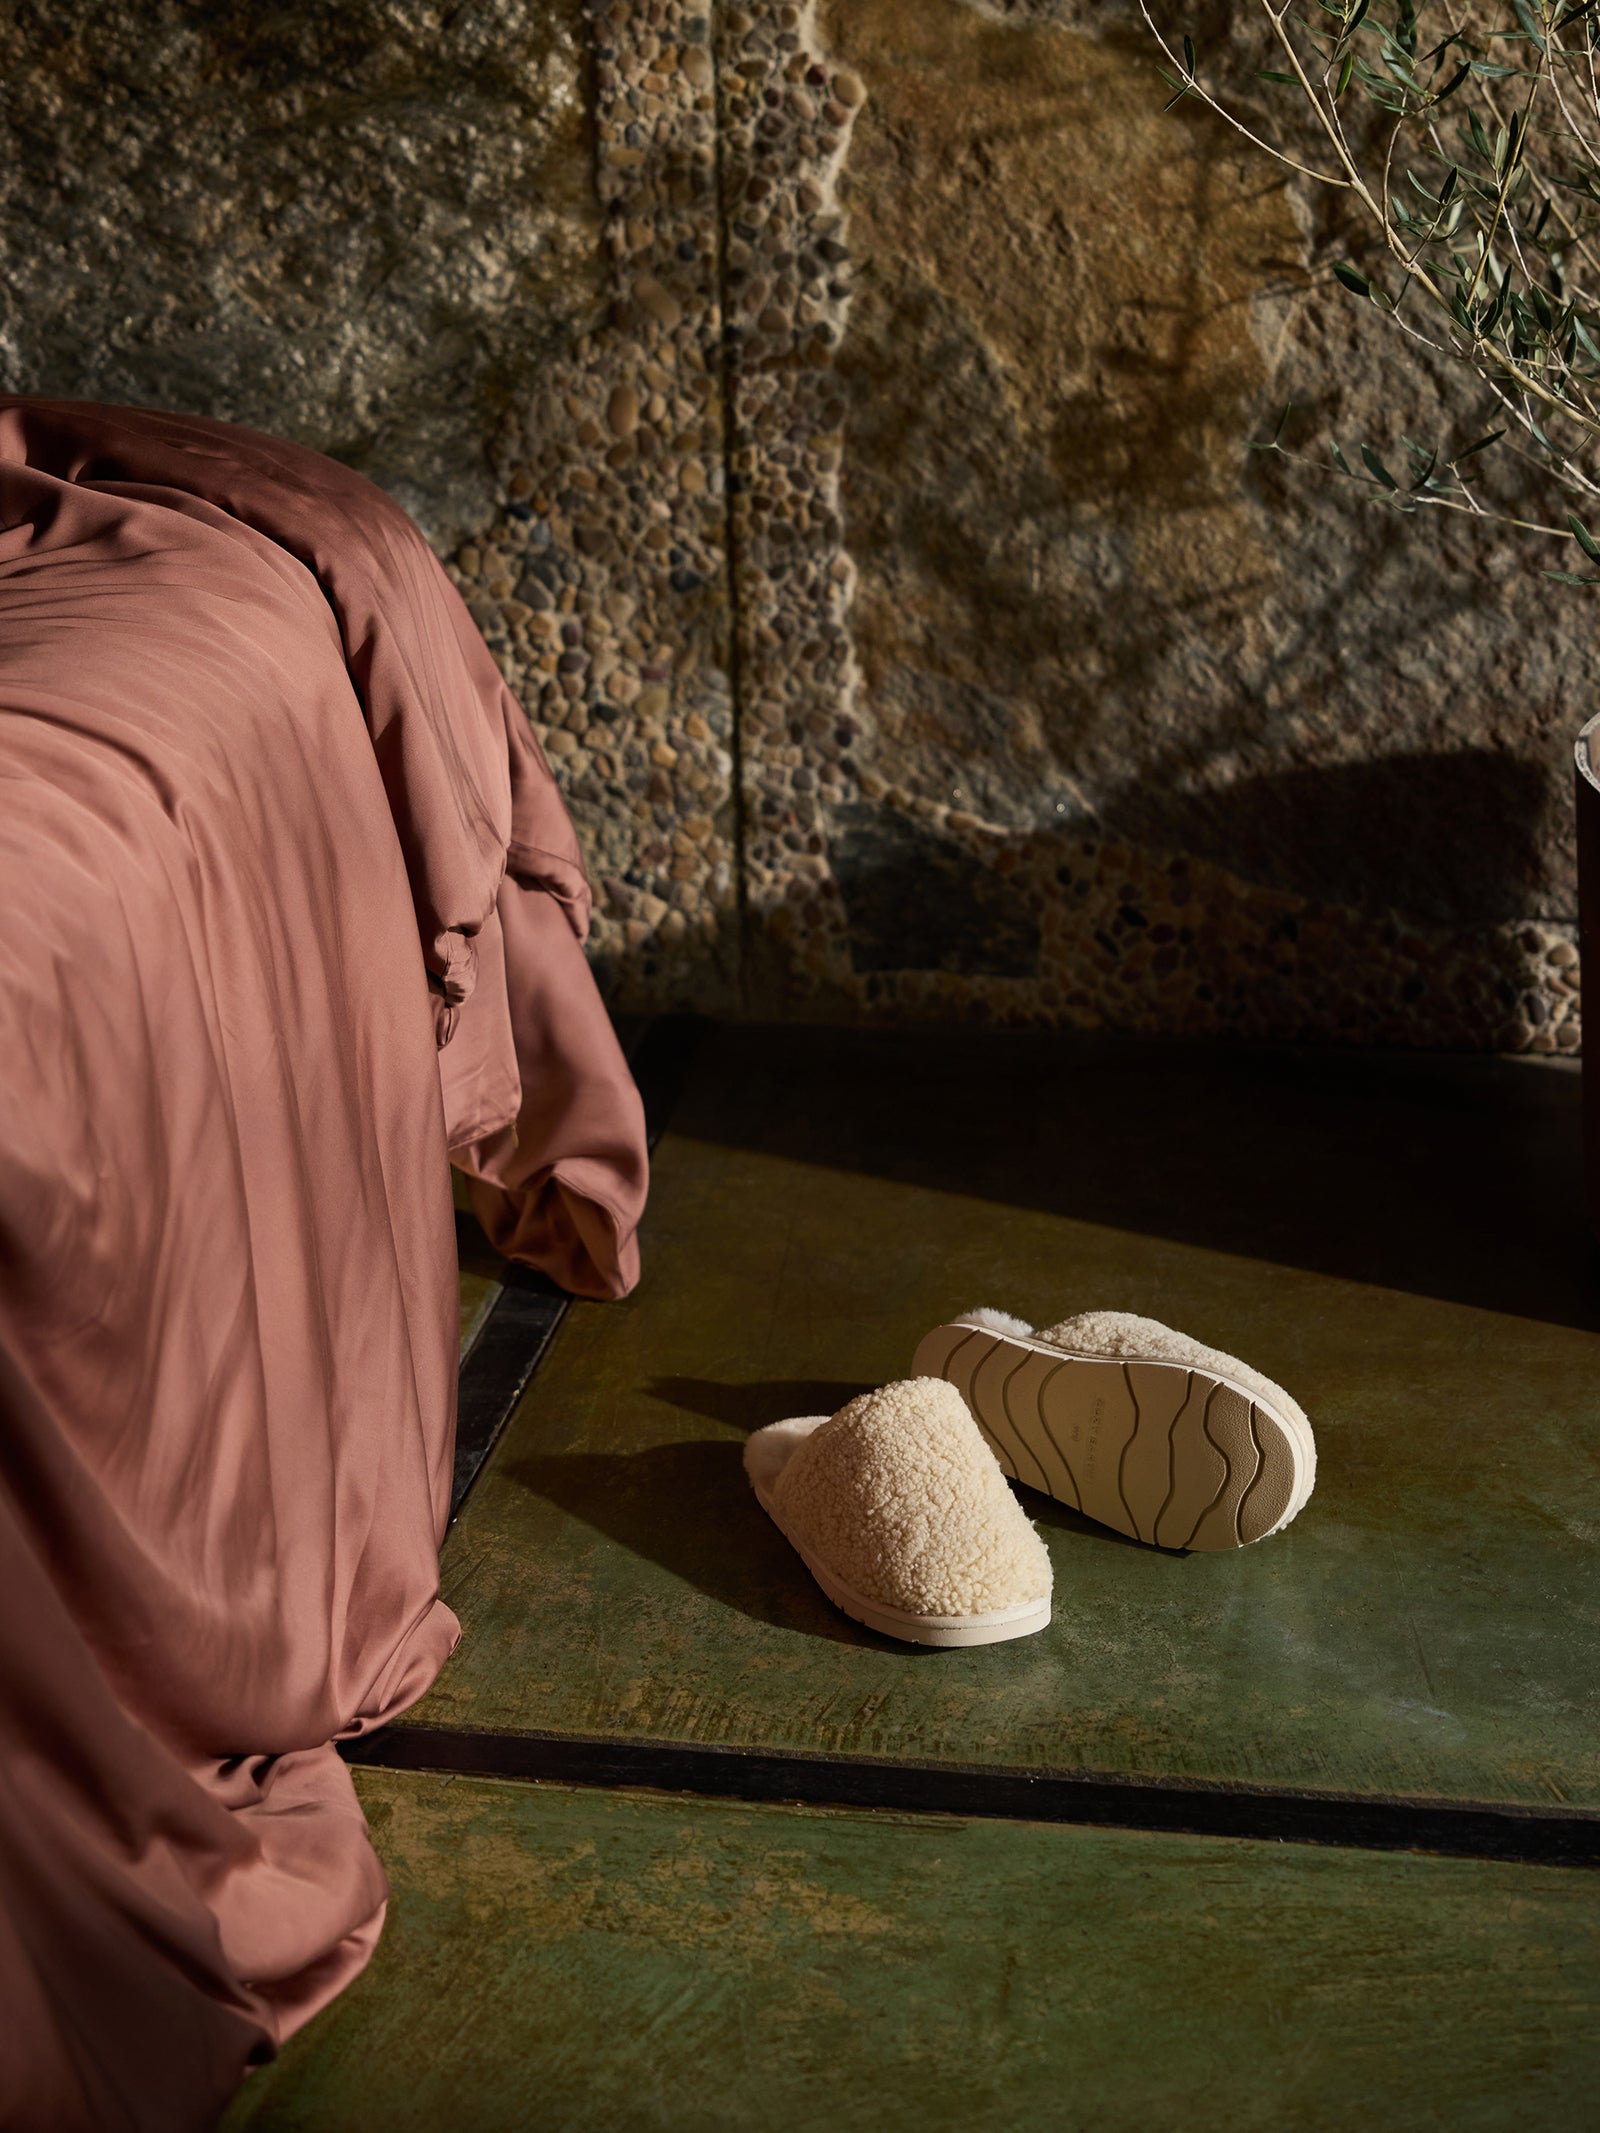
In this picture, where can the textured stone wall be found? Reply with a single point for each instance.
(604, 583)
(363, 225)
(835, 417)
(1165, 742)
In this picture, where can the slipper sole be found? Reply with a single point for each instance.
(944, 1630)
(1166, 1453)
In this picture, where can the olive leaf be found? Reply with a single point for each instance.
(1482, 226)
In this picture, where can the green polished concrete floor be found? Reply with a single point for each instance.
(1398, 1241)
(608, 1962)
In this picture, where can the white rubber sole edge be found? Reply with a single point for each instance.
(948, 1631)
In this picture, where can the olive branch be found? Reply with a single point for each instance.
(1468, 137)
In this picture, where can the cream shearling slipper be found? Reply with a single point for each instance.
(897, 1508)
(1132, 1424)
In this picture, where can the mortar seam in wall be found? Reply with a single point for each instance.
(736, 683)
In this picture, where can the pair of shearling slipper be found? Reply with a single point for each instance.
(898, 1504)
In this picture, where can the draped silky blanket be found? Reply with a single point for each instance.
(289, 906)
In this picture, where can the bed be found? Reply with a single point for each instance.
(291, 918)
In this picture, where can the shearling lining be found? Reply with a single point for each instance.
(989, 1320)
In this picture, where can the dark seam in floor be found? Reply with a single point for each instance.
(1471, 1830)
(509, 1348)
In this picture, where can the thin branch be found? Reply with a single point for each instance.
(1198, 88)
(1520, 315)
(1411, 499)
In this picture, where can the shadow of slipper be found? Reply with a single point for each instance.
(753, 1405)
(688, 1508)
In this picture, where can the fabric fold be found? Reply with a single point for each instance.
(270, 828)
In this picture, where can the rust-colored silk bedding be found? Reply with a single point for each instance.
(289, 905)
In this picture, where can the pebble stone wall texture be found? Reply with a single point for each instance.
(602, 585)
(934, 518)
(866, 527)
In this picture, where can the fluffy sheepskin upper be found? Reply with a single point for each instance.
(899, 1494)
(1126, 1333)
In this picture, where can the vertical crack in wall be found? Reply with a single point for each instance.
(602, 584)
(666, 585)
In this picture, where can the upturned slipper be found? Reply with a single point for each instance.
(1134, 1425)
(898, 1509)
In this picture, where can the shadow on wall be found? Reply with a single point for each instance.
(947, 920)
(914, 901)
(1438, 839)
(1454, 838)
(361, 227)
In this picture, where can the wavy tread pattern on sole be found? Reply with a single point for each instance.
(1227, 1426)
(1149, 1459)
(1199, 1467)
(1161, 1452)
(1270, 1496)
